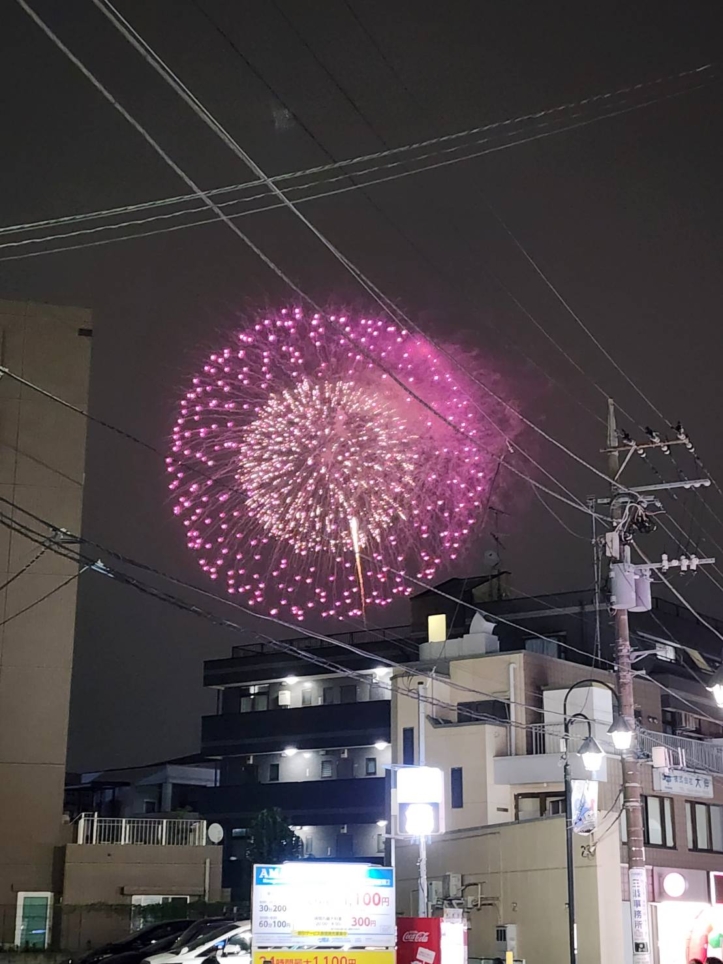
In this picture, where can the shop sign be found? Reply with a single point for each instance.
(683, 782)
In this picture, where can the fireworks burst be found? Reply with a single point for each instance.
(308, 479)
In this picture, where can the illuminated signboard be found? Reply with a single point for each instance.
(318, 904)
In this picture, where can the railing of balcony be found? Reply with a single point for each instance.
(140, 831)
(684, 752)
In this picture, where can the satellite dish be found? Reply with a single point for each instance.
(491, 558)
(215, 833)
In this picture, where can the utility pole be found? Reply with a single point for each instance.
(421, 718)
(630, 591)
(632, 802)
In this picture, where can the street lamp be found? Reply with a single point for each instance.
(715, 685)
(592, 755)
(621, 733)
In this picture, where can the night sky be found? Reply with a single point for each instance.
(623, 215)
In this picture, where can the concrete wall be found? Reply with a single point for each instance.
(42, 457)
(113, 873)
(521, 872)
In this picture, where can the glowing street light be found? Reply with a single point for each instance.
(621, 732)
(591, 753)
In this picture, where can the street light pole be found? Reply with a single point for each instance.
(621, 734)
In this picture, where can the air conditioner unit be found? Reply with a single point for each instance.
(284, 697)
(452, 885)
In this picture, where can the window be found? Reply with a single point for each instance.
(408, 746)
(658, 829)
(348, 694)
(549, 646)
(370, 766)
(254, 698)
(328, 695)
(380, 843)
(658, 821)
(306, 696)
(308, 847)
(457, 788)
(327, 769)
(704, 824)
(150, 806)
(532, 806)
(273, 772)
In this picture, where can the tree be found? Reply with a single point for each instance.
(272, 840)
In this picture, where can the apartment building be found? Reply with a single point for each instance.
(503, 851)
(315, 744)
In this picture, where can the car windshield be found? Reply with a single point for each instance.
(205, 935)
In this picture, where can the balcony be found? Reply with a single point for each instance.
(139, 831)
(540, 766)
(317, 802)
(685, 753)
(307, 728)
(257, 661)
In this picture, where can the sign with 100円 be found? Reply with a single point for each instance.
(304, 904)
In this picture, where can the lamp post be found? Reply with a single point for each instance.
(592, 756)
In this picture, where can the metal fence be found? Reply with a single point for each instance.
(143, 831)
(683, 752)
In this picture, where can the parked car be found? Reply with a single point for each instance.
(209, 939)
(140, 940)
(137, 955)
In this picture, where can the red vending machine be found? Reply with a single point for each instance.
(432, 940)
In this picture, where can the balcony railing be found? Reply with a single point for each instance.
(140, 831)
(684, 753)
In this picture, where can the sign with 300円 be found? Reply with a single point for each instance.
(309, 904)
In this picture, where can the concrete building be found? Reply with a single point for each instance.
(53, 874)
(503, 855)
(313, 743)
(161, 788)
(42, 463)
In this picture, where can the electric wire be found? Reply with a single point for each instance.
(200, 110)
(21, 572)
(76, 555)
(320, 169)
(389, 220)
(151, 57)
(43, 26)
(41, 599)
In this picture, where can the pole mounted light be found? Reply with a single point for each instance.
(715, 685)
(621, 733)
(592, 754)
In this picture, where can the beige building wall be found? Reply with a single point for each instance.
(42, 459)
(520, 869)
(113, 873)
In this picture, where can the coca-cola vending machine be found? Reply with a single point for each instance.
(432, 940)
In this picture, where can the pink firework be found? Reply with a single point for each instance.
(308, 479)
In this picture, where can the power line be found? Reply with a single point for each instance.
(509, 122)
(137, 41)
(29, 533)
(41, 599)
